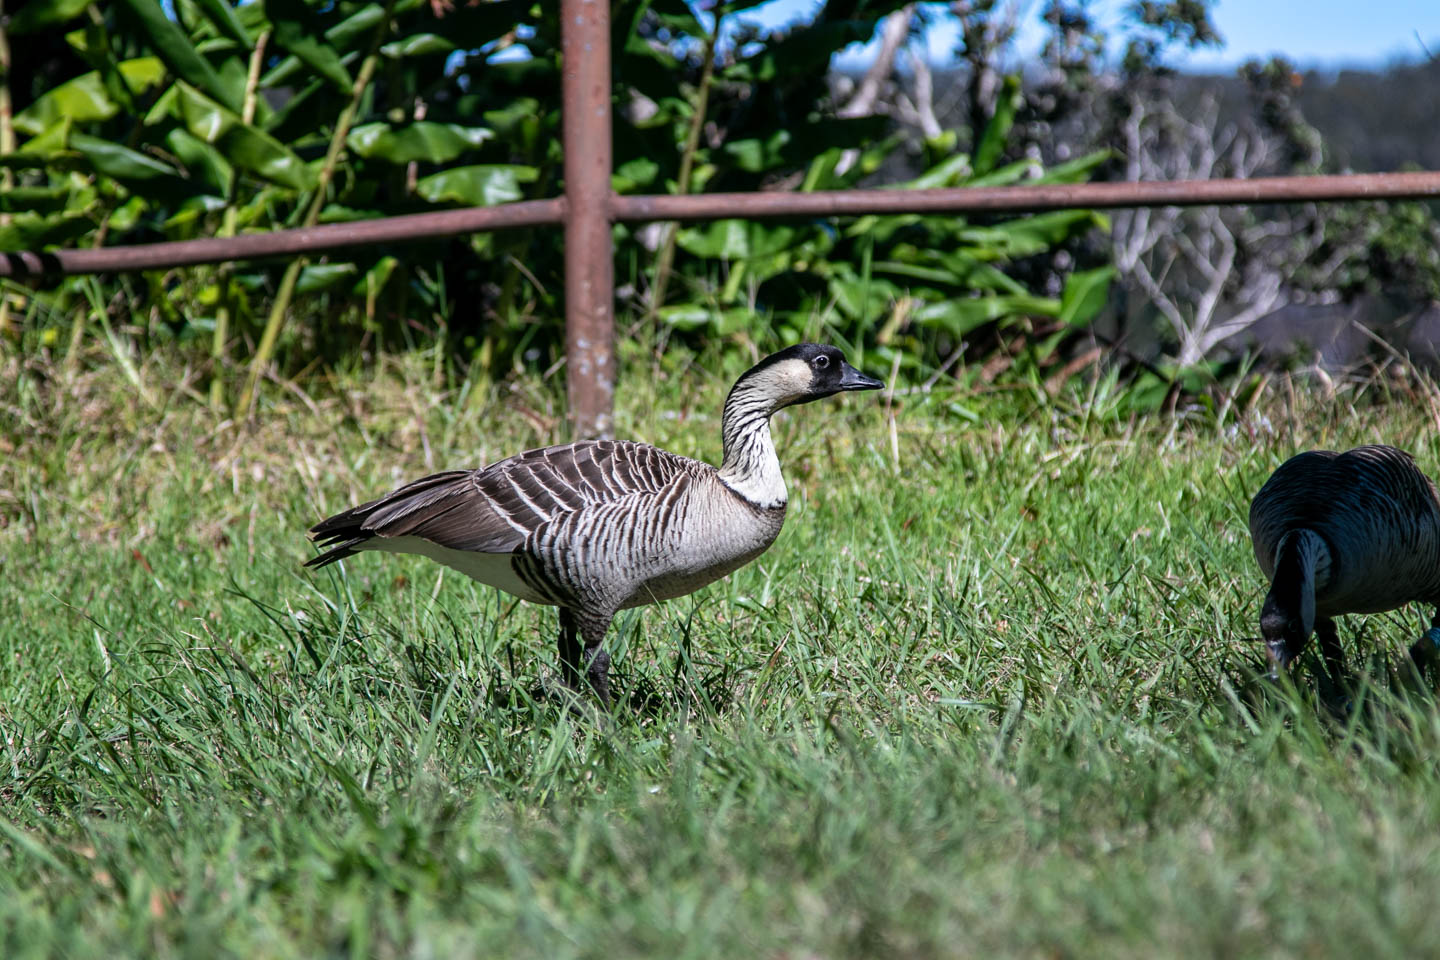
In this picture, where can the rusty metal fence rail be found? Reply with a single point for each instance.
(589, 208)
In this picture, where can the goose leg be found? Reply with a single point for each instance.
(1423, 651)
(569, 650)
(597, 661)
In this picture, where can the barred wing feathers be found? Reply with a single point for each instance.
(494, 509)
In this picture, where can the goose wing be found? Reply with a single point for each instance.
(494, 509)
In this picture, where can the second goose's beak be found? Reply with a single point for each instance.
(852, 379)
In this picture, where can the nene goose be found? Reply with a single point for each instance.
(1335, 533)
(600, 526)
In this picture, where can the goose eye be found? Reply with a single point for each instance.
(821, 362)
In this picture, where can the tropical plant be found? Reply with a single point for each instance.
(140, 122)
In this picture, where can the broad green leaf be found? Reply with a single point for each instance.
(373, 282)
(1077, 170)
(997, 131)
(178, 53)
(420, 141)
(716, 323)
(85, 99)
(222, 14)
(418, 45)
(821, 174)
(192, 211)
(686, 316)
(31, 231)
(736, 239)
(138, 171)
(35, 200)
(322, 276)
(339, 213)
(45, 149)
(247, 147)
(202, 161)
(1031, 235)
(969, 271)
(959, 316)
(298, 30)
(37, 15)
(125, 216)
(483, 185)
(634, 175)
(343, 37)
(947, 173)
(1085, 295)
(1008, 174)
(861, 299)
(756, 155)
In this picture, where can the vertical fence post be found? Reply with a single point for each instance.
(589, 264)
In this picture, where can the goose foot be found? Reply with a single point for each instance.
(597, 671)
(1423, 651)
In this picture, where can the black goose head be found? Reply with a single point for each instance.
(1288, 617)
(802, 373)
(1284, 630)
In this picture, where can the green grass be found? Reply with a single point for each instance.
(990, 693)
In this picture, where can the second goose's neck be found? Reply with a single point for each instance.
(1302, 566)
(750, 466)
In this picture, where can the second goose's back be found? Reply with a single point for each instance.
(1375, 510)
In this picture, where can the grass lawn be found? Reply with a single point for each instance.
(991, 693)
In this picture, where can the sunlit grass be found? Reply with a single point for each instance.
(991, 692)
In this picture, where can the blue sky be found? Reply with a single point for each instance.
(1322, 33)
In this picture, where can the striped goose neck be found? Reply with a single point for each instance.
(750, 466)
(1303, 564)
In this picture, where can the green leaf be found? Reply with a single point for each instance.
(85, 99)
(33, 232)
(959, 317)
(997, 131)
(969, 271)
(49, 148)
(298, 30)
(375, 279)
(170, 42)
(483, 185)
(634, 175)
(1006, 175)
(135, 170)
(203, 162)
(343, 37)
(35, 200)
(222, 14)
(736, 239)
(947, 173)
(420, 141)
(1077, 170)
(1085, 295)
(247, 147)
(757, 155)
(37, 15)
(323, 276)
(862, 299)
(716, 323)
(418, 45)
(1031, 235)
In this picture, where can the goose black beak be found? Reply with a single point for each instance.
(852, 379)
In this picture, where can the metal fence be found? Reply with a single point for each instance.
(588, 209)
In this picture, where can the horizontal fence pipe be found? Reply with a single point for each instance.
(722, 206)
(1029, 198)
(411, 227)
